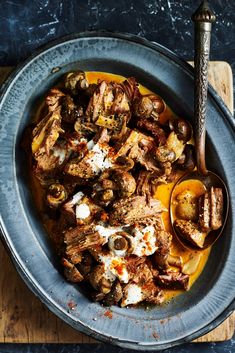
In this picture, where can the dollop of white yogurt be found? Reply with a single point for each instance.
(99, 159)
(132, 294)
(82, 211)
(144, 241)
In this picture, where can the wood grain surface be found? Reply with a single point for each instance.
(24, 319)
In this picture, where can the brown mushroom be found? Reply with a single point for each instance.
(120, 243)
(187, 160)
(143, 107)
(99, 281)
(113, 184)
(76, 81)
(126, 184)
(114, 296)
(103, 189)
(182, 128)
(171, 150)
(124, 163)
(149, 105)
(56, 194)
(69, 111)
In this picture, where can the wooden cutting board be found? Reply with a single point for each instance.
(24, 319)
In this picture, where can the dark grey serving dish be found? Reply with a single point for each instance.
(211, 299)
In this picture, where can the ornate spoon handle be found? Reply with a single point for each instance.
(203, 19)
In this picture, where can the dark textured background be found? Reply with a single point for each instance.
(26, 24)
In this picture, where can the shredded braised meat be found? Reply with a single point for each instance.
(99, 153)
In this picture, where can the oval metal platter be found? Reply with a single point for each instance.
(211, 299)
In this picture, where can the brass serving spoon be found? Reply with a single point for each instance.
(203, 19)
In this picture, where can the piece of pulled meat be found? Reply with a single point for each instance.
(173, 280)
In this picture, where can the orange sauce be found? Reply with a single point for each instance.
(163, 192)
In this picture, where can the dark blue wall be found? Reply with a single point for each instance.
(27, 24)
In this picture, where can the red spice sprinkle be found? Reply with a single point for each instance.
(146, 235)
(156, 335)
(71, 305)
(148, 246)
(119, 269)
(108, 314)
(104, 216)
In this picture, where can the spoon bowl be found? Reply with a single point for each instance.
(209, 180)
